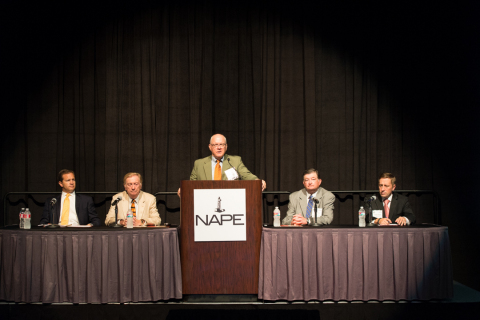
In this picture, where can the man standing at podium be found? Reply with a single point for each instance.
(301, 208)
(143, 205)
(70, 208)
(391, 207)
(221, 166)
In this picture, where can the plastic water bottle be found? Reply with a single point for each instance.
(361, 217)
(276, 217)
(21, 215)
(26, 219)
(129, 219)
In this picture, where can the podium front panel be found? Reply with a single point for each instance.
(221, 267)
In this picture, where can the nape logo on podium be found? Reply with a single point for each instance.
(224, 222)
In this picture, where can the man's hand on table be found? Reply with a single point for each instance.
(299, 220)
(384, 221)
(401, 221)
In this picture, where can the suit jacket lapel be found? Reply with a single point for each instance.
(141, 205)
(393, 206)
(77, 207)
(123, 206)
(377, 203)
(56, 216)
(207, 166)
(319, 197)
(303, 202)
(225, 166)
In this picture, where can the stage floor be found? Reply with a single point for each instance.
(464, 305)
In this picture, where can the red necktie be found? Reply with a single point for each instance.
(386, 208)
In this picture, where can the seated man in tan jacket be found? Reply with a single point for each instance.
(142, 204)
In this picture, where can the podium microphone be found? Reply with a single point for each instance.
(228, 159)
(53, 201)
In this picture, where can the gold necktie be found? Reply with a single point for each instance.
(134, 211)
(218, 171)
(65, 210)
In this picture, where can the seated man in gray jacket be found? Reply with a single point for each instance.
(301, 209)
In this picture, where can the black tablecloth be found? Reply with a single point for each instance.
(92, 265)
(380, 263)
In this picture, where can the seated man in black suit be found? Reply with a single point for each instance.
(70, 208)
(394, 206)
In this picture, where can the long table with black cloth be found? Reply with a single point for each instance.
(102, 265)
(94, 265)
(355, 264)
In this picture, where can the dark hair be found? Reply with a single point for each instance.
(62, 172)
(311, 170)
(388, 175)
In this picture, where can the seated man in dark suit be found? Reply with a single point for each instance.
(70, 208)
(394, 206)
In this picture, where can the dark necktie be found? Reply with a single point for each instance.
(309, 206)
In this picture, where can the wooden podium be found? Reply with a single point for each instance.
(226, 267)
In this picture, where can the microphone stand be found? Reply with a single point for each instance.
(52, 226)
(116, 225)
(228, 159)
(368, 206)
(315, 223)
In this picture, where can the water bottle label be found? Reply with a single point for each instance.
(129, 215)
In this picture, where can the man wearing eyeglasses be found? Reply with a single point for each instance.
(221, 166)
(143, 205)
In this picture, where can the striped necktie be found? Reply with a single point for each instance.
(134, 210)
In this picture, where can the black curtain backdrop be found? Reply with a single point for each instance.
(352, 89)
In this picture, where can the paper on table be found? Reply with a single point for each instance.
(80, 226)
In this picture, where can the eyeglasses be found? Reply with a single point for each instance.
(219, 145)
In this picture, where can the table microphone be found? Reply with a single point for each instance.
(52, 203)
(116, 200)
